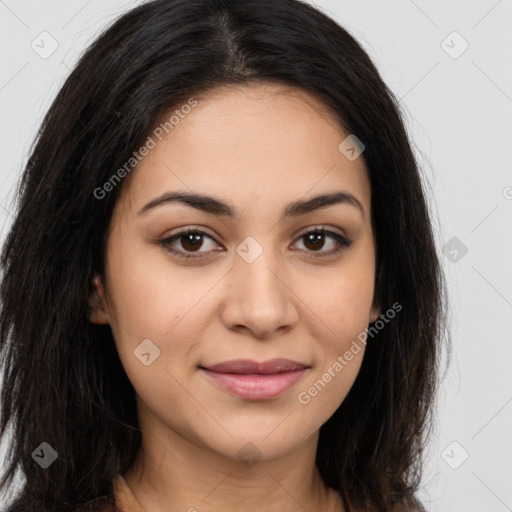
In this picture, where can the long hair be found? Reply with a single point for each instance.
(63, 382)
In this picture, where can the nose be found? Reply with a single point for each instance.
(258, 298)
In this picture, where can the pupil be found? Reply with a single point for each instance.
(193, 240)
(314, 238)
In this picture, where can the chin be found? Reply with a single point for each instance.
(258, 443)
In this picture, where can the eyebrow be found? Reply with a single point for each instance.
(215, 206)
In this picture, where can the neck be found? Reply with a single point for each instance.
(171, 473)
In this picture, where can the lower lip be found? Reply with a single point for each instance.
(256, 387)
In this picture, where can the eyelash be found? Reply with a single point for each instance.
(343, 243)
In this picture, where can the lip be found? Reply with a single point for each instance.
(256, 381)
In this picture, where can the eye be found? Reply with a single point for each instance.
(315, 239)
(191, 240)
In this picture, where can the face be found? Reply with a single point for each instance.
(187, 287)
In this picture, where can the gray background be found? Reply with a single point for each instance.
(458, 108)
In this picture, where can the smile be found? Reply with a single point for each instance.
(255, 386)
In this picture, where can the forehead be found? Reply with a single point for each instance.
(242, 142)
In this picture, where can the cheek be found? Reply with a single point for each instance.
(339, 335)
(340, 305)
(338, 308)
(152, 300)
(149, 295)
(339, 316)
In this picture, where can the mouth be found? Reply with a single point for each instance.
(255, 381)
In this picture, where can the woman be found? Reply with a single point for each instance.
(221, 289)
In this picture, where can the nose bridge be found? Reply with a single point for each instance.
(257, 265)
(259, 298)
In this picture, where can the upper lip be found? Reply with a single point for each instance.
(250, 367)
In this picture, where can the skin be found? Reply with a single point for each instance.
(218, 307)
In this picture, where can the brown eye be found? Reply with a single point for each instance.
(190, 240)
(316, 239)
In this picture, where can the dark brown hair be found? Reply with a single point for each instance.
(63, 382)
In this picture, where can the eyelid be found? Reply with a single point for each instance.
(319, 227)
